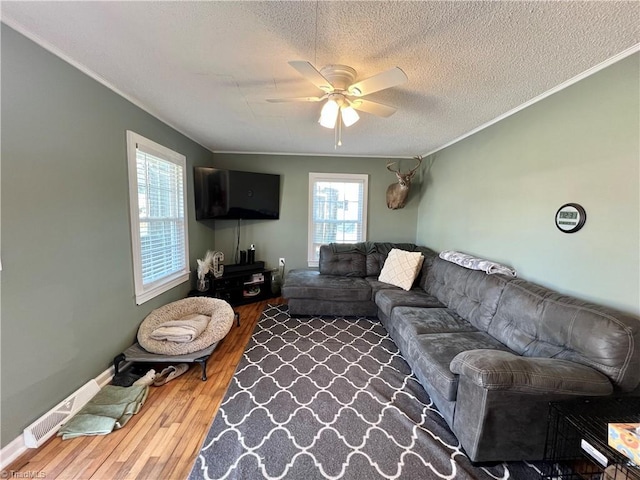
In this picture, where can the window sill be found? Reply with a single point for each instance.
(168, 284)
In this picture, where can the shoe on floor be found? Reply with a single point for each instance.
(148, 378)
(169, 373)
(125, 379)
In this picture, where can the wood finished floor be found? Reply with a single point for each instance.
(162, 441)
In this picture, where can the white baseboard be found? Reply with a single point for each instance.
(12, 451)
(17, 447)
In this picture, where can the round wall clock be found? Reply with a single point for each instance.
(570, 218)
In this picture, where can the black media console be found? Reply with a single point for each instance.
(240, 284)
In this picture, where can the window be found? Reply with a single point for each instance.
(157, 199)
(337, 210)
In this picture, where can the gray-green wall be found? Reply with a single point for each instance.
(287, 237)
(68, 302)
(495, 194)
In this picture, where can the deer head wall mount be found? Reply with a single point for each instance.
(397, 192)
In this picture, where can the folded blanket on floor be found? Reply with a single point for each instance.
(474, 263)
(183, 330)
(84, 425)
(109, 410)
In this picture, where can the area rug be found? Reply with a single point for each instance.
(329, 398)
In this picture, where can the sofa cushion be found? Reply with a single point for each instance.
(390, 298)
(378, 254)
(471, 294)
(537, 322)
(377, 286)
(313, 307)
(412, 321)
(348, 264)
(313, 284)
(374, 262)
(401, 268)
(430, 356)
(429, 258)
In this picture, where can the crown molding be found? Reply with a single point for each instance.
(581, 76)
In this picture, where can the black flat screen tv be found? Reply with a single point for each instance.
(232, 195)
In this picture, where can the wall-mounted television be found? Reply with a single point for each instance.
(231, 194)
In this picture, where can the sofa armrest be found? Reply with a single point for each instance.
(498, 370)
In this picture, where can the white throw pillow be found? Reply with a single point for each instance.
(401, 268)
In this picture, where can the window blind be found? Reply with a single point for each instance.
(159, 223)
(161, 216)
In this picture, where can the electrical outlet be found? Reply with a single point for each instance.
(281, 262)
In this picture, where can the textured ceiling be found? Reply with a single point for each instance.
(206, 68)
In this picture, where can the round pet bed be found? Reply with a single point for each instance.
(220, 312)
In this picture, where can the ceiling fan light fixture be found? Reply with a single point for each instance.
(349, 116)
(343, 96)
(329, 114)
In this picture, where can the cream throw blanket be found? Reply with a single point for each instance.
(183, 330)
(474, 263)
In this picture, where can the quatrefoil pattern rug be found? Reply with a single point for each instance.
(329, 398)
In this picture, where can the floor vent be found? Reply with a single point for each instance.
(46, 426)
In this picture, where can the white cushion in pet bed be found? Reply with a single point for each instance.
(219, 311)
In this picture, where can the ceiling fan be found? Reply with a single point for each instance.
(344, 96)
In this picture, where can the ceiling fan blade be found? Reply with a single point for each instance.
(388, 79)
(295, 99)
(309, 72)
(375, 108)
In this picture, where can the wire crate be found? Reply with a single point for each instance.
(576, 446)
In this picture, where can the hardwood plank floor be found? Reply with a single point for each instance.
(160, 442)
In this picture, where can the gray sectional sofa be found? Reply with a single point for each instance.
(492, 351)
(346, 281)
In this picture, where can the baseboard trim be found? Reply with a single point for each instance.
(17, 447)
(12, 451)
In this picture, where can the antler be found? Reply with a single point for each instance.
(410, 172)
(419, 159)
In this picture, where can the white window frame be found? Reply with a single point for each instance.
(335, 177)
(144, 293)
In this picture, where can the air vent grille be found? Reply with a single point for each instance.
(48, 424)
